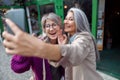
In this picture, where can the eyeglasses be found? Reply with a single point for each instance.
(53, 25)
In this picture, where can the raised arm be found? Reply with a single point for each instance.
(24, 44)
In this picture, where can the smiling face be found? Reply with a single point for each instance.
(51, 29)
(69, 23)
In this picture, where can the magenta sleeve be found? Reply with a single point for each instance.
(20, 64)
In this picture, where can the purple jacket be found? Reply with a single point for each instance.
(20, 64)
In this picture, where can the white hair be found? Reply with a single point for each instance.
(81, 20)
(82, 25)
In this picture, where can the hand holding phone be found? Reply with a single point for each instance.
(17, 16)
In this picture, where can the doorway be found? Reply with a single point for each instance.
(112, 24)
(110, 56)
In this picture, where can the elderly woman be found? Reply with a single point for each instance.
(78, 57)
(42, 70)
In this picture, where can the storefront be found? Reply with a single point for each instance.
(108, 40)
(108, 24)
(33, 10)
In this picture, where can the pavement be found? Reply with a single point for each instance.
(5, 71)
(106, 76)
(7, 74)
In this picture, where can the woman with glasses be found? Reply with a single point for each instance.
(78, 57)
(41, 68)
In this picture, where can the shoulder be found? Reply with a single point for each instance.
(83, 35)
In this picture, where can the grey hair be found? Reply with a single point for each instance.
(82, 24)
(44, 17)
(81, 20)
(52, 16)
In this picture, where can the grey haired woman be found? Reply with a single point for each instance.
(78, 57)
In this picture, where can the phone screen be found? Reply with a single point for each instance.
(18, 17)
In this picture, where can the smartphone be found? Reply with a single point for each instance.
(17, 16)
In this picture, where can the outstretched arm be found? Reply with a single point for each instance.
(24, 44)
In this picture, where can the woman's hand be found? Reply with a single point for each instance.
(62, 38)
(24, 44)
(19, 43)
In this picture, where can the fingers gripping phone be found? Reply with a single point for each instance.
(17, 16)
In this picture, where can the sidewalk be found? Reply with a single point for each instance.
(107, 77)
(5, 71)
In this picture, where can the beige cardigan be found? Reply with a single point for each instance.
(79, 59)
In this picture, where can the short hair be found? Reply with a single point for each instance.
(43, 20)
(52, 16)
(81, 20)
